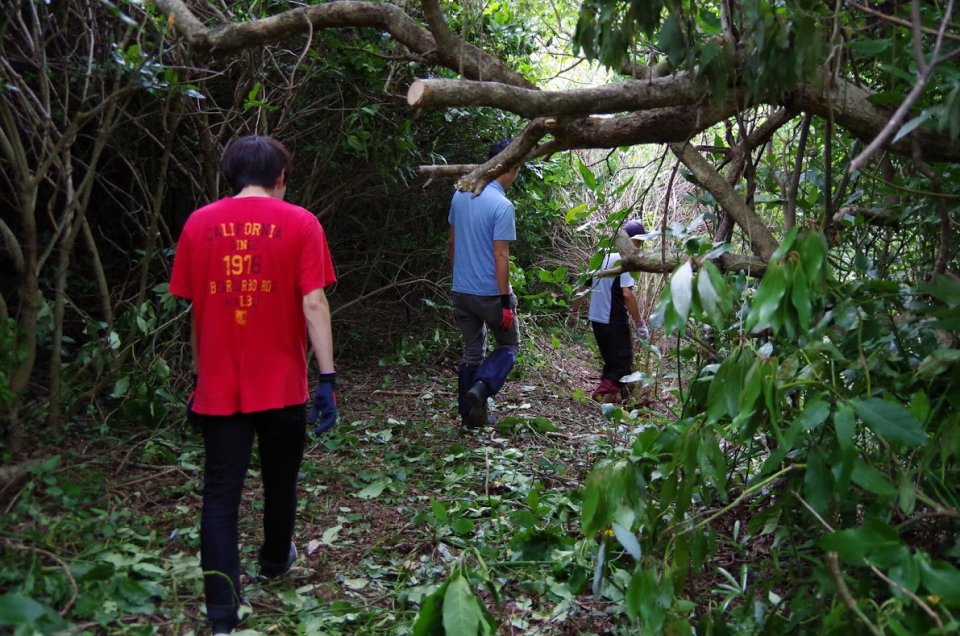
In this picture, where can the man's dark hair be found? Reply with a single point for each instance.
(497, 147)
(254, 160)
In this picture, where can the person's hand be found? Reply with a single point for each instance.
(573, 320)
(508, 315)
(642, 332)
(507, 318)
(323, 412)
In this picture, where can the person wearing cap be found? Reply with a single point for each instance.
(254, 268)
(612, 305)
(481, 229)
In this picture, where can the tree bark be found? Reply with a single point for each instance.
(762, 242)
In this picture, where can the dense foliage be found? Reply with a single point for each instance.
(790, 463)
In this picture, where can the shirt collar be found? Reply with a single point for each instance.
(496, 184)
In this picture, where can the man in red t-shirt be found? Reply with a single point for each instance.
(254, 268)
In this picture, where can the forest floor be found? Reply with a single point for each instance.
(395, 495)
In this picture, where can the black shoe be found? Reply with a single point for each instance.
(270, 570)
(468, 422)
(477, 398)
(244, 611)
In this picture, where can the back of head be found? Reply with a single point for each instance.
(254, 160)
(634, 228)
(497, 147)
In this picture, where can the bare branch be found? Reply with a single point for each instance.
(896, 120)
(761, 239)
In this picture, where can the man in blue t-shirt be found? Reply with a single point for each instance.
(612, 302)
(481, 228)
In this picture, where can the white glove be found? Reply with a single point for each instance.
(642, 332)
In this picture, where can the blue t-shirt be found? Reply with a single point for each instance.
(477, 222)
(606, 297)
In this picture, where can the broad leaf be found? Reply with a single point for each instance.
(461, 611)
(628, 540)
(890, 420)
(681, 290)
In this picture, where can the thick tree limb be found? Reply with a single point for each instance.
(513, 155)
(653, 263)
(471, 61)
(666, 109)
(761, 239)
(628, 96)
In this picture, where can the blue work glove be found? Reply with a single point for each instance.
(323, 412)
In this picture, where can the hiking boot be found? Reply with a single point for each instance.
(607, 391)
(270, 570)
(244, 611)
(477, 398)
(468, 423)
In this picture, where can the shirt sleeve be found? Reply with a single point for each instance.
(182, 266)
(316, 264)
(505, 224)
(626, 280)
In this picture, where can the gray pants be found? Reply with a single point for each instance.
(476, 315)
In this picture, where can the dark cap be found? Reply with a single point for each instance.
(634, 228)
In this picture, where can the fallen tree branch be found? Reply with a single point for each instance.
(762, 241)
(654, 263)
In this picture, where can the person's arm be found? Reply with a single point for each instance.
(450, 242)
(501, 262)
(316, 310)
(633, 308)
(573, 318)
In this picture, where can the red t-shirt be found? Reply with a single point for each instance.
(246, 263)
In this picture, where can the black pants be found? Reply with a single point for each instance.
(616, 348)
(228, 442)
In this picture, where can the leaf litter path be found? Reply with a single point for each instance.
(399, 492)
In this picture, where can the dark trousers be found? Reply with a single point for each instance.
(228, 442)
(616, 349)
(477, 316)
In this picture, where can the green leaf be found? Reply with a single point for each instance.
(429, 620)
(800, 297)
(845, 426)
(707, 295)
(588, 177)
(772, 289)
(628, 540)
(461, 611)
(937, 363)
(641, 594)
(853, 545)
(872, 480)
(592, 512)
(373, 490)
(890, 420)
(909, 127)
(681, 290)
(576, 214)
(814, 414)
(16, 609)
(463, 526)
(817, 483)
(869, 48)
(785, 245)
(941, 578)
(907, 497)
(121, 387)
